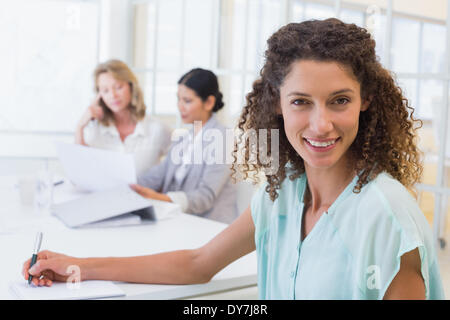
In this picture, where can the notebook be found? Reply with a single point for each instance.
(117, 206)
(92, 289)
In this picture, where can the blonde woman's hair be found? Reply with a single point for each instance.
(120, 71)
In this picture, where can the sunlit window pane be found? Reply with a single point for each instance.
(297, 12)
(378, 32)
(447, 156)
(235, 48)
(185, 32)
(146, 82)
(433, 48)
(352, 16)
(438, 120)
(166, 93)
(144, 35)
(430, 98)
(426, 203)
(169, 34)
(318, 11)
(405, 45)
(255, 45)
(409, 90)
(269, 18)
(236, 94)
(198, 33)
(51, 50)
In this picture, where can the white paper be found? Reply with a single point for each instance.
(93, 169)
(92, 289)
(165, 210)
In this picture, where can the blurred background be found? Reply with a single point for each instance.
(50, 48)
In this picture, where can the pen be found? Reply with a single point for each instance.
(58, 183)
(37, 246)
(54, 184)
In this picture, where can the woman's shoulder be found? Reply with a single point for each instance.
(384, 209)
(384, 198)
(390, 196)
(380, 224)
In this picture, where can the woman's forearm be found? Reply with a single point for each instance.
(163, 197)
(79, 135)
(174, 267)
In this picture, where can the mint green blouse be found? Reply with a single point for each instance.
(352, 252)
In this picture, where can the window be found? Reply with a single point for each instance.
(352, 16)
(252, 24)
(170, 38)
(51, 50)
(405, 45)
(317, 11)
(433, 48)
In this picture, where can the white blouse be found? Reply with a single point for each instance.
(149, 142)
(191, 144)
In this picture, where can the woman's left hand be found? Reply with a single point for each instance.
(150, 193)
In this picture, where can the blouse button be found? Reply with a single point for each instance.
(292, 274)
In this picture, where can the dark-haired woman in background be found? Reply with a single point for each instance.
(199, 185)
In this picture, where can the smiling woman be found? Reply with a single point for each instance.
(348, 147)
(343, 225)
(373, 150)
(323, 115)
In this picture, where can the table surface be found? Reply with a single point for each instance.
(19, 224)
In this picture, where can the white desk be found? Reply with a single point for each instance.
(18, 226)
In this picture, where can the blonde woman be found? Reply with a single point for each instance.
(116, 120)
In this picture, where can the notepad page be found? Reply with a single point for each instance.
(91, 289)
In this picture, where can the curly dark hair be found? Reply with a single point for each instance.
(386, 138)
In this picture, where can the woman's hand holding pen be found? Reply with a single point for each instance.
(51, 266)
(150, 193)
